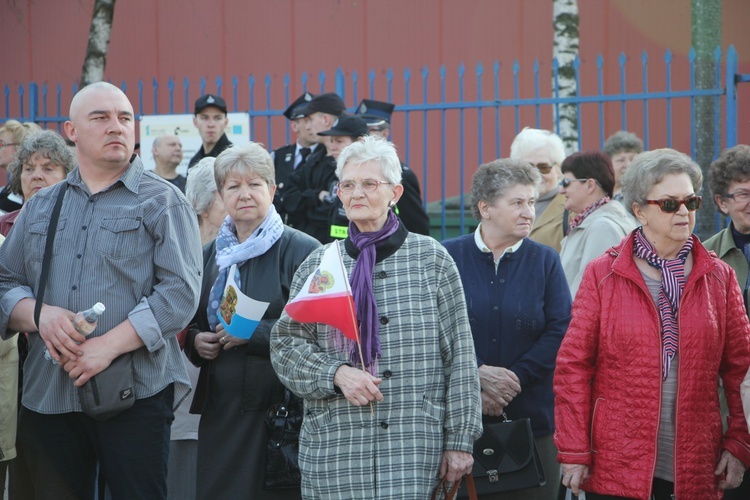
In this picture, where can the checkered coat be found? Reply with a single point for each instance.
(430, 382)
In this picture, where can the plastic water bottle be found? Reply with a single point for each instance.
(85, 322)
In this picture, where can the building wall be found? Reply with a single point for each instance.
(45, 41)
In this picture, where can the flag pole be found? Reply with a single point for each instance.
(353, 316)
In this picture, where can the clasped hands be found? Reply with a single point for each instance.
(81, 358)
(499, 387)
(208, 344)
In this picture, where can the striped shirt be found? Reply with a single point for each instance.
(134, 247)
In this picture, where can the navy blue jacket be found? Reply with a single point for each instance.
(518, 318)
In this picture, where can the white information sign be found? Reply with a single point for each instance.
(152, 126)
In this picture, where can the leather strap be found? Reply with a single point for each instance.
(451, 494)
(51, 230)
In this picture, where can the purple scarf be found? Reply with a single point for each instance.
(672, 285)
(364, 298)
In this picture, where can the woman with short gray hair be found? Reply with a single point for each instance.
(657, 321)
(519, 307)
(729, 182)
(42, 159)
(237, 387)
(386, 420)
(621, 147)
(203, 195)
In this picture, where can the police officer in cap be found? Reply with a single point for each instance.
(347, 130)
(409, 208)
(211, 120)
(289, 158)
(308, 198)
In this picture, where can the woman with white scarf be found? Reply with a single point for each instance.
(237, 385)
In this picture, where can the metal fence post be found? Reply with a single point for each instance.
(731, 103)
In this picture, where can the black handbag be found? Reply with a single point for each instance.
(109, 392)
(506, 458)
(284, 422)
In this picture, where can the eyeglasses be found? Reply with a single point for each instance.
(670, 205)
(567, 182)
(8, 144)
(739, 196)
(367, 185)
(544, 168)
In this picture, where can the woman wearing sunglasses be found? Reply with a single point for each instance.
(587, 184)
(657, 321)
(729, 181)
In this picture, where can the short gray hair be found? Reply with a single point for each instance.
(531, 139)
(47, 143)
(374, 149)
(200, 189)
(251, 157)
(493, 179)
(622, 141)
(649, 169)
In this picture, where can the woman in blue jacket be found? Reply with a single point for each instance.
(519, 307)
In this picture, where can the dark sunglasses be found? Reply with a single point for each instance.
(670, 205)
(565, 182)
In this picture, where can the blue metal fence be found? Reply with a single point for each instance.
(459, 118)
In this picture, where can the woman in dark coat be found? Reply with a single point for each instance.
(237, 384)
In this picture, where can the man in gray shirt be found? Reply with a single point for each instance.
(129, 240)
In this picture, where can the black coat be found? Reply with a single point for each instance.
(265, 278)
(301, 200)
(222, 144)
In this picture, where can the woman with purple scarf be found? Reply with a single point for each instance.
(657, 322)
(391, 423)
(236, 386)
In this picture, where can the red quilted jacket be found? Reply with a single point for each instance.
(609, 374)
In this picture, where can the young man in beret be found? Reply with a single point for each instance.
(211, 120)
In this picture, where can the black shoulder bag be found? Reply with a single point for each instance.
(109, 392)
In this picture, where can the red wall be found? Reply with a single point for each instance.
(45, 41)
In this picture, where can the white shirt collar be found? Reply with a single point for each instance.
(484, 248)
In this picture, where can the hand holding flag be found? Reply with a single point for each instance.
(326, 296)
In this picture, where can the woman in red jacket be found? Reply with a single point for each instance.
(656, 322)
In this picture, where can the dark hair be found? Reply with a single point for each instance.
(591, 165)
(732, 165)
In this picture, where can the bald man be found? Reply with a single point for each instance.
(129, 240)
(167, 151)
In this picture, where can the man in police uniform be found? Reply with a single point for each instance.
(211, 120)
(289, 158)
(348, 129)
(409, 208)
(308, 199)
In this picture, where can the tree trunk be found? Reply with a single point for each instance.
(99, 33)
(565, 50)
(706, 36)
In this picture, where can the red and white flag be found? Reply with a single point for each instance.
(326, 296)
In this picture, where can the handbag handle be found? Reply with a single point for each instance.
(51, 230)
(450, 495)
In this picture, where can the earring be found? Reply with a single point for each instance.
(391, 204)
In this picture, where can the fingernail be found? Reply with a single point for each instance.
(80, 353)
